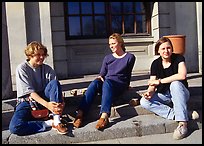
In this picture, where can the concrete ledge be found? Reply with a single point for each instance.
(119, 110)
(119, 127)
(126, 121)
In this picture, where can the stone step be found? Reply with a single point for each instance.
(119, 128)
(122, 108)
(125, 120)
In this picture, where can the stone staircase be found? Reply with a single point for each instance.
(125, 120)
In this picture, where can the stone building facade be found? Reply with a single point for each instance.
(23, 22)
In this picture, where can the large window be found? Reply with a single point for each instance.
(100, 19)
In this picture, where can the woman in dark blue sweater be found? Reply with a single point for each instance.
(113, 80)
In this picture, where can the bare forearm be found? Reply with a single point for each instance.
(38, 99)
(151, 89)
(172, 78)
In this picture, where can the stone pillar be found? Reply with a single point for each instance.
(199, 31)
(6, 71)
(16, 35)
(46, 32)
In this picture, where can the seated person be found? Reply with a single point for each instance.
(113, 80)
(38, 82)
(168, 84)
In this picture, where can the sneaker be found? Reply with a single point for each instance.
(78, 122)
(193, 115)
(102, 123)
(60, 128)
(180, 132)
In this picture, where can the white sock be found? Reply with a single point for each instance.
(48, 123)
(56, 119)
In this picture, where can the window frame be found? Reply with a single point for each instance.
(108, 15)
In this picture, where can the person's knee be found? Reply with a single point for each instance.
(144, 103)
(54, 82)
(107, 83)
(175, 85)
(14, 129)
(95, 82)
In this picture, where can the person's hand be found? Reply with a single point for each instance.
(130, 87)
(61, 107)
(148, 95)
(154, 82)
(56, 108)
(101, 78)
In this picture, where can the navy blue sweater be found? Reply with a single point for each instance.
(118, 69)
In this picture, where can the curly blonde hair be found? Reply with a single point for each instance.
(33, 47)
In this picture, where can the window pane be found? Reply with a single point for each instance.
(86, 8)
(100, 25)
(115, 8)
(129, 24)
(139, 7)
(87, 25)
(141, 23)
(74, 26)
(127, 7)
(98, 19)
(99, 8)
(73, 7)
(117, 24)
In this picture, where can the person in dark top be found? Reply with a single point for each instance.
(113, 80)
(168, 85)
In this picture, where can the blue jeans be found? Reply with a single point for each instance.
(22, 122)
(178, 94)
(109, 90)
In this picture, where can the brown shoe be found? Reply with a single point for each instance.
(134, 102)
(102, 123)
(60, 128)
(78, 122)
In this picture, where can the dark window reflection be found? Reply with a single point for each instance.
(99, 8)
(139, 7)
(116, 24)
(100, 25)
(87, 25)
(74, 26)
(129, 24)
(141, 24)
(86, 8)
(115, 7)
(73, 8)
(127, 7)
(100, 19)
